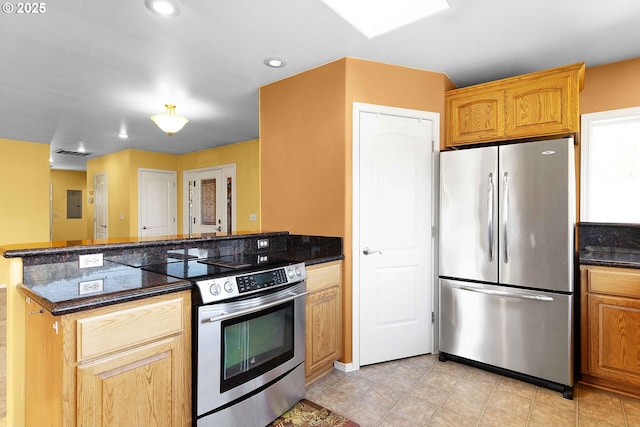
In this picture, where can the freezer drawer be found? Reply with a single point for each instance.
(529, 332)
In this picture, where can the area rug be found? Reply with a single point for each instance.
(308, 414)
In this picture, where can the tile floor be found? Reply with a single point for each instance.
(421, 391)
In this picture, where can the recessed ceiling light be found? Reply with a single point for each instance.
(274, 62)
(123, 135)
(163, 7)
(373, 18)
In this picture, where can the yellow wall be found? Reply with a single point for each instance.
(245, 155)
(24, 192)
(122, 181)
(63, 228)
(24, 218)
(306, 145)
(116, 166)
(122, 170)
(145, 160)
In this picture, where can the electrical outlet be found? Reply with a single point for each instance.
(263, 243)
(253, 217)
(90, 260)
(90, 286)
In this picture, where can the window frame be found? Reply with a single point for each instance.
(587, 123)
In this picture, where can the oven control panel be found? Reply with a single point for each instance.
(223, 288)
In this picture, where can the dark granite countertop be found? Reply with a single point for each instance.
(111, 284)
(609, 245)
(53, 279)
(312, 249)
(127, 243)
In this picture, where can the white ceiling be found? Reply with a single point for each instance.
(84, 69)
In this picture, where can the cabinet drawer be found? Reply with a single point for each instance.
(324, 275)
(118, 330)
(615, 281)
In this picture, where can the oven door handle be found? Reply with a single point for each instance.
(225, 316)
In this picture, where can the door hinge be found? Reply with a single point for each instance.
(433, 146)
(433, 317)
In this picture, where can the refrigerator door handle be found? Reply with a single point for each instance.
(490, 216)
(519, 295)
(505, 216)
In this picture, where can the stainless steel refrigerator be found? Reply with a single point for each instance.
(507, 221)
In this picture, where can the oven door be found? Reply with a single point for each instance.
(244, 345)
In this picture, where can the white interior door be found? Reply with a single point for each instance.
(157, 202)
(210, 200)
(101, 206)
(395, 242)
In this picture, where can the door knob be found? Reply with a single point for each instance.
(368, 251)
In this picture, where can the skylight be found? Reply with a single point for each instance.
(375, 17)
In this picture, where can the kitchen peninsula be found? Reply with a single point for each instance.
(114, 319)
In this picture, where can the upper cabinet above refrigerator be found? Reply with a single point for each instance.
(540, 104)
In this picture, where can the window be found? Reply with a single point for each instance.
(610, 166)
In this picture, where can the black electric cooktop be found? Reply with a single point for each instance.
(203, 268)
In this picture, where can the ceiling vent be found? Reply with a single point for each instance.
(72, 153)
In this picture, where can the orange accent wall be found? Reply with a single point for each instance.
(611, 87)
(302, 152)
(306, 147)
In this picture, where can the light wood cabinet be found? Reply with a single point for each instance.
(474, 116)
(125, 364)
(610, 328)
(544, 103)
(323, 318)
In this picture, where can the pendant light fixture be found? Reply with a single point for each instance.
(169, 121)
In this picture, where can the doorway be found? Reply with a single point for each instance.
(157, 204)
(394, 244)
(209, 200)
(101, 206)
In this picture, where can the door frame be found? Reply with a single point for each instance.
(355, 234)
(227, 170)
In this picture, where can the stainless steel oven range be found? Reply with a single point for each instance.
(248, 337)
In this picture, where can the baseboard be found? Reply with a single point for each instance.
(344, 367)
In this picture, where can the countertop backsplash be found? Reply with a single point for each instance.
(609, 244)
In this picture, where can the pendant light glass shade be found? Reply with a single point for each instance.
(169, 121)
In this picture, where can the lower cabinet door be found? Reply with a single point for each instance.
(132, 388)
(323, 331)
(614, 338)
